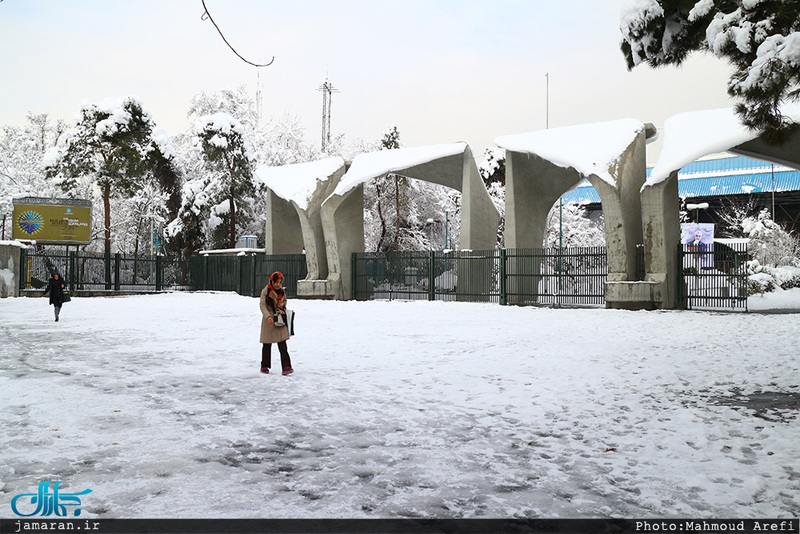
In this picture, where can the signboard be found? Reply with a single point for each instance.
(52, 220)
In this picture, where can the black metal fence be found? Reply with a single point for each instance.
(246, 275)
(513, 276)
(98, 271)
(713, 277)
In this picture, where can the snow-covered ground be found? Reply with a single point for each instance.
(400, 409)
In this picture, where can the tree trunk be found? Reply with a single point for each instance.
(107, 213)
(397, 210)
(379, 247)
(107, 209)
(233, 220)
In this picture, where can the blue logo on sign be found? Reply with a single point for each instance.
(50, 503)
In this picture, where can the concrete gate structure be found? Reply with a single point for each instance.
(330, 221)
(295, 194)
(688, 137)
(541, 166)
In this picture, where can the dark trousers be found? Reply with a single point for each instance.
(266, 355)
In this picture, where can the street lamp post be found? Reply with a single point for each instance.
(697, 208)
(446, 230)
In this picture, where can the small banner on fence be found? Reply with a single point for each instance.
(698, 238)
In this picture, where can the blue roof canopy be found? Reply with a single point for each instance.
(708, 178)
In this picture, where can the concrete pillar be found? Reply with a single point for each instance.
(662, 234)
(343, 223)
(533, 185)
(283, 232)
(10, 270)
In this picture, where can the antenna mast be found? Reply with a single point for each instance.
(327, 90)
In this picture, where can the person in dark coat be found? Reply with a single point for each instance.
(273, 308)
(55, 286)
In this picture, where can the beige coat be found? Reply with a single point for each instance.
(270, 333)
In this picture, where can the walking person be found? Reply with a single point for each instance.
(55, 286)
(274, 327)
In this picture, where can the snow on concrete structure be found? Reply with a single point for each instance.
(10, 268)
(294, 198)
(688, 137)
(543, 165)
(451, 165)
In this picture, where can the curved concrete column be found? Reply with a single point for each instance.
(294, 223)
(451, 165)
(541, 166)
(688, 137)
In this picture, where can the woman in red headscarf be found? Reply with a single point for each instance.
(273, 324)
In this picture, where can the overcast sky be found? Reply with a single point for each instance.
(441, 70)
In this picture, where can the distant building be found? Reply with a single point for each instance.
(722, 180)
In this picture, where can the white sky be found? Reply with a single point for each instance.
(442, 71)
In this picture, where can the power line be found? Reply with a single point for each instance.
(205, 15)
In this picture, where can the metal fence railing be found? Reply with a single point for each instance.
(98, 271)
(409, 275)
(513, 276)
(714, 277)
(556, 276)
(246, 275)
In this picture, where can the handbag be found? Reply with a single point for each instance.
(66, 298)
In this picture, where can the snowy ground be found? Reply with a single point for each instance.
(400, 409)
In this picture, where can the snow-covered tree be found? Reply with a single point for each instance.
(111, 148)
(760, 38)
(493, 166)
(570, 226)
(21, 153)
(231, 188)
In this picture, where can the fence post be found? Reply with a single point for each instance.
(24, 271)
(71, 269)
(353, 276)
(240, 266)
(117, 262)
(431, 275)
(159, 273)
(206, 283)
(503, 293)
(255, 292)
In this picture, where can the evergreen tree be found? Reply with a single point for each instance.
(232, 190)
(760, 38)
(111, 146)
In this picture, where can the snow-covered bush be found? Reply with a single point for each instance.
(770, 243)
(766, 278)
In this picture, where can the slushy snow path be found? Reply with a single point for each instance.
(398, 409)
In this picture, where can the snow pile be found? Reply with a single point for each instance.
(589, 148)
(297, 182)
(155, 402)
(691, 135)
(374, 164)
(14, 243)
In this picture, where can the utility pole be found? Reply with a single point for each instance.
(327, 90)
